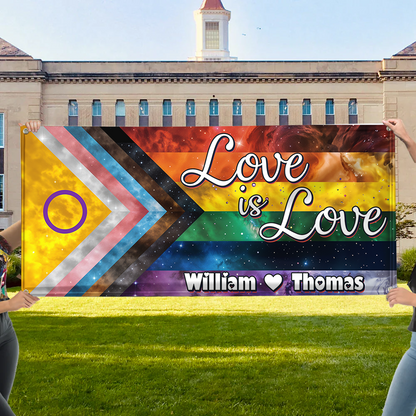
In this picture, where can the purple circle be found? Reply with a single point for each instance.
(63, 230)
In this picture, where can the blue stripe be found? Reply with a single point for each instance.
(245, 255)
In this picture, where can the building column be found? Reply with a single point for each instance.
(179, 113)
(249, 112)
(225, 112)
(295, 112)
(108, 112)
(318, 111)
(341, 111)
(155, 112)
(202, 112)
(272, 112)
(132, 113)
(84, 112)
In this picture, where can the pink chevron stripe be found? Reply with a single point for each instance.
(137, 211)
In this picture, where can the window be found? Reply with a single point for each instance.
(212, 35)
(120, 113)
(96, 113)
(143, 113)
(72, 113)
(1, 129)
(167, 108)
(143, 108)
(213, 108)
(283, 112)
(190, 113)
(260, 113)
(214, 113)
(190, 107)
(329, 111)
(237, 113)
(1, 192)
(306, 111)
(352, 111)
(237, 108)
(167, 113)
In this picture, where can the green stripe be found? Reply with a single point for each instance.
(231, 226)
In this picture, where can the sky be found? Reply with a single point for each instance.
(164, 30)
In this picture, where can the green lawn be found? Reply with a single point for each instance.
(294, 356)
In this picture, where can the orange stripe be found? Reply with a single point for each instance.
(323, 167)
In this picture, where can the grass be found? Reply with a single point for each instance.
(288, 356)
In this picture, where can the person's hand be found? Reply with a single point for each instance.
(398, 128)
(33, 125)
(22, 300)
(401, 296)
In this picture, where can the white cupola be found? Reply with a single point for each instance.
(212, 32)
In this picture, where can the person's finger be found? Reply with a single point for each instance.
(34, 126)
(28, 298)
(21, 125)
(390, 294)
(388, 124)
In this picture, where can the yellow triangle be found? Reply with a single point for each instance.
(42, 175)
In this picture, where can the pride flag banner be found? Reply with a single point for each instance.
(271, 211)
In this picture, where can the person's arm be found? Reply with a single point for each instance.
(398, 128)
(20, 300)
(401, 296)
(13, 235)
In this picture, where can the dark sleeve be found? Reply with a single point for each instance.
(4, 245)
(412, 280)
(5, 250)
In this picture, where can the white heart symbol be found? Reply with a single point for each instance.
(273, 282)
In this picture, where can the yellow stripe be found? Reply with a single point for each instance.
(43, 174)
(340, 195)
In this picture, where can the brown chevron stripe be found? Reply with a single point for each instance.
(173, 211)
(125, 161)
(132, 255)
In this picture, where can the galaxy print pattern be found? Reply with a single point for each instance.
(270, 211)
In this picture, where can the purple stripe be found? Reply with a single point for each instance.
(172, 283)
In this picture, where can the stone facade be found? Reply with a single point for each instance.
(34, 89)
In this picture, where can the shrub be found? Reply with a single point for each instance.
(407, 263)
(14, 269)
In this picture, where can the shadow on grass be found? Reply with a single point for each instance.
(206, 365)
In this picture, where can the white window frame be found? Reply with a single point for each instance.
(2, 128)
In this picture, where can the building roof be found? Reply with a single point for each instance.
(408, 50)
(8, 50)
(212, 5)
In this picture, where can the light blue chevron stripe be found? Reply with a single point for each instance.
(116, 170)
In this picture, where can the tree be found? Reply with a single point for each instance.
(404, 226)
